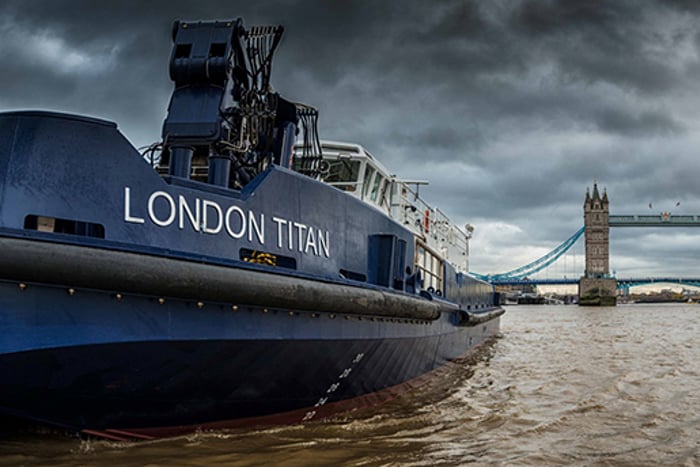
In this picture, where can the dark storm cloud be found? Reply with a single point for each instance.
(511, 108)
(647, 123)
(600, 40)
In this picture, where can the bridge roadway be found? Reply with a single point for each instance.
(621, 283)
(664, 219)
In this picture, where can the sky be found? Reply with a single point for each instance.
(510, 108)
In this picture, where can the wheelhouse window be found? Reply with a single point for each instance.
(369, 171)
(375, 187)
(383, 191)
(343, 174)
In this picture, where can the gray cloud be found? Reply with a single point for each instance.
(510, 108)
(646, 123)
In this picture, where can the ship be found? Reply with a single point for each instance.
(241, 271)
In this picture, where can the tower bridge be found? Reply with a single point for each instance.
(597, 286)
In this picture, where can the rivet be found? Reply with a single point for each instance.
(331, 316)
(161, 300)
(118, 296)
(234, 307)
(200, 305)
(291, 313)
(22, 286)
(71, 291)
(265, 310)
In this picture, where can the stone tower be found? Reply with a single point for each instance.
(597, 287)
(596, 215)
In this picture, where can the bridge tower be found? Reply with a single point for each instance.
(597, 287)
(596, 218)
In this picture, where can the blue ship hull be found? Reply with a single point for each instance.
(133, 367)
(179, 396)
(137, 304)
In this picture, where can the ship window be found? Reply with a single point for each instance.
(430, 266)
(341, 171)
(369, 171)
(375, 187)
(64, 226)
(268, 259)
(217, 49)
(383, 198)
(183, 50)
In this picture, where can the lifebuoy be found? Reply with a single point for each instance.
(426, 220)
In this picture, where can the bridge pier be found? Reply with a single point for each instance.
(597, 292)
(597, 287)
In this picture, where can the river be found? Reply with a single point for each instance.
(562, 385)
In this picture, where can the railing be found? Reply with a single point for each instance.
(431, 225)
(351, 168)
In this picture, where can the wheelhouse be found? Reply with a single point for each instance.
(354, 170)
(351, 168)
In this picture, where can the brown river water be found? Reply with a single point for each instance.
(562, 385)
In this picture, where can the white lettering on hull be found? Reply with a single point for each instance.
(241, 221)
(152, 208)
(127, 208)
(209, 207)
(209, 217)
(186, 210)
